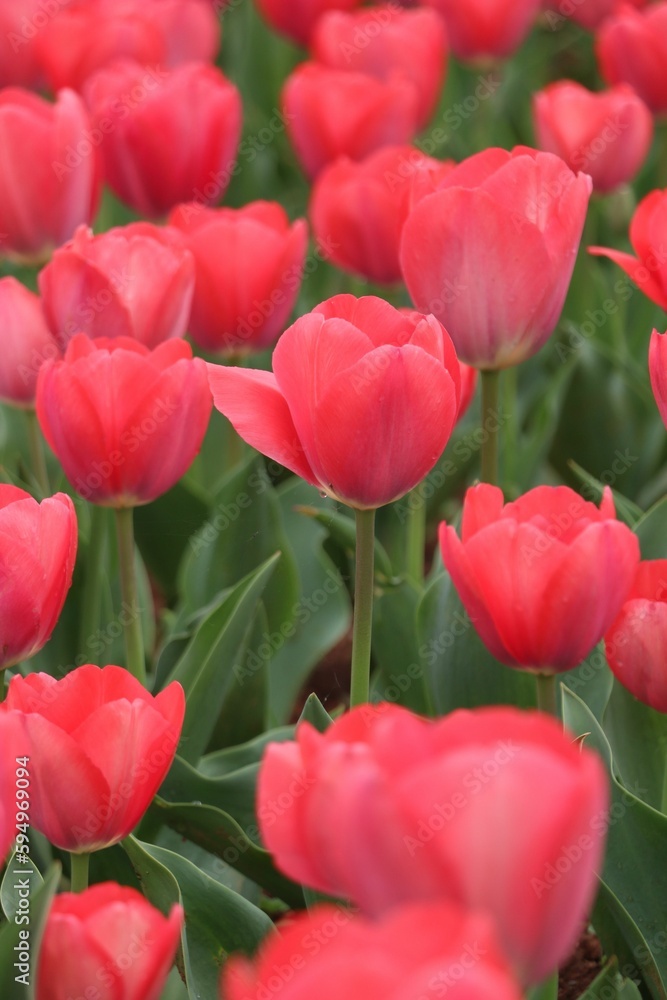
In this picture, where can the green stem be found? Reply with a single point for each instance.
(37, 459)
(663, 808)
(415, 537)
(360, 686)
(3, 685)
(490, 398)
(80, 864)
(92, 594)
(547, 693)
(134, 639)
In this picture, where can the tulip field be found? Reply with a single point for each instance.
(333, 500)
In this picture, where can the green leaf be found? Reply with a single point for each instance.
(217, 920)
(13, 934)
(163, 530)
(342, 529)
(626, 510)
(612, 986)
(651, 530)
(221, 762)
(316, 714)
(23, 875)
(638, 738)
(399, 677)
(623, 940)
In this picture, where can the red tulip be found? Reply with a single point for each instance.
(542, 578)
(361, 401)
(27, 342)
(101, 745)
(37, 557)
(589, 14)
(125, 422)
(167, 137)
(132, 281)
(631, 47)
(19, 31)
(14, 783)
(636, 643)
(606, 135)
(331, 113)
(471, 252)
(249, 265)
(479, 808)
(360, 208)
(385, 40)
(297, 18)
(415, 952)
(106, 942)
(478, 28)
(49, 175)
(647, 235)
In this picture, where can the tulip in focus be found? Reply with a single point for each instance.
(361, 401)
(479, 29)
(606, 135)
(492, 251)
(360, 208)
(249, 264)
(101, 745)
(174, 141)
(50, 177)
(331, 113)
(37, 554)
(415, 951)
(131, 281)
(541, 578)
(297, 18)
(386, 40)
(648, 269)
(396, 809)
(124, 422)
(636, 643)
(109, 935)
(631, 47)
(26, 343)
(13, 760)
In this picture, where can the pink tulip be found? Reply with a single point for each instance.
(426, 950)
(107, 942)
(101, 745)
(50, 174)
(37, 552)
(496, 810)
(471, 253)
(27, 343)
(249, 265)
(297, 18)
(481, 28)
(19, 32)
(331, 113)
(361, 401)
(657, 365)
(535, 575)
(131, 281)
(647, 233)
(631, 47)
(606, 135)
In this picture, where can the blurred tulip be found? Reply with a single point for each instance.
(37, 557)
(27, 342)
(101, 745)
(589, 14)
(483, 28)
(387, 808)
(361, 402)
(471, 252)
(331, 113)
(358, 209)
(50, 176)
(108, 938)
(125, 422)
(631, 47)
(14, 797)
(657, 365)
(386, 40)
(606, 135)
(297, 18)
(541, 578)
(19, 30)
(167, 137)
(249, 265)
(416, 951)
(647, 235)
(131, 281)
(636, 643)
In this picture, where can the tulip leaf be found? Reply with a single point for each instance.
(626, 510)
(400, 676)
(13, 935)
(638, 738)
(610, 984)
(623, 940)
(208, 667)
(342, 529)
(164, 528)
(222, 762)
(635, 869)
(21, 880)
(651, 530)
(316, 714)
(217, 920)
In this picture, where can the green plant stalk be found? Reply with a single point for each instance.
(37, 459)
(360, 686)
(134, 639)
(95, 563)
(80, 864)
(547, 693)
(490, 399)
